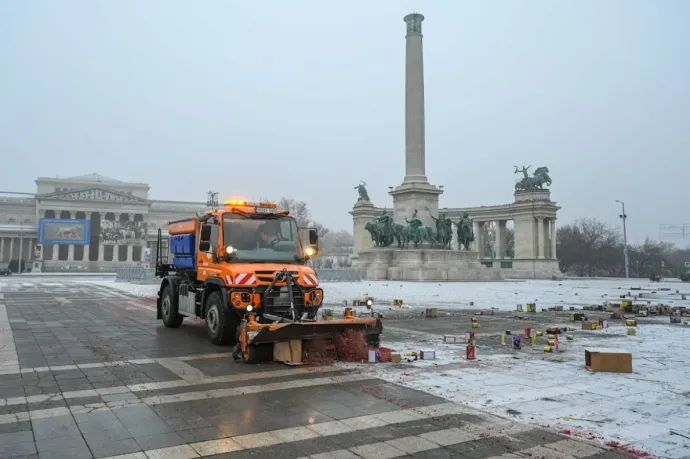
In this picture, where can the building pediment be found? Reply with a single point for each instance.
(93, 194)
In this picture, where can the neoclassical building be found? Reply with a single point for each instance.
(115, 223)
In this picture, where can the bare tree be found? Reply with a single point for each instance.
(298, 209)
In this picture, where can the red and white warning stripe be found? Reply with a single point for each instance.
(245, 279)
(310, 279)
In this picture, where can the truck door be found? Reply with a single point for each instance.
(208, 263)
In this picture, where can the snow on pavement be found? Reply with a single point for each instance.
(502, 295)
(639, 409)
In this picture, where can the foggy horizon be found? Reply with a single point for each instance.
(305, 100)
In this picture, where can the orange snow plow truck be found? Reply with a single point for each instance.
(243, 269)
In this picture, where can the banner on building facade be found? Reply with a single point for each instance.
(123, 232)
(63, 231)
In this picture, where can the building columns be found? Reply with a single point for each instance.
(553, 239)
(479, 239)
(501, 241)
(130, 253)
(2, 249)
(540, 237)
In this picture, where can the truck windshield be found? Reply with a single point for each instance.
(259, 238)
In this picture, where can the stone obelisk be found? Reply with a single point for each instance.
(415, 192)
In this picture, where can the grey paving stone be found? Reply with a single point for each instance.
(440, 453)
(227, 366)
(17, 449)
(12, 427)
(55, 427)
(200, 434)
(60, 443)
(114, 447)
(486, 447)
(538, 436)
(22, 436)
(141, 421)
(159, 441)
(610, 455)
(78, 452)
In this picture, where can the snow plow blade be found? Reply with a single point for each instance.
(328, 329)
(256, 341)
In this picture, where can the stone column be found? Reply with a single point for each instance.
(362, 213)
(547, 240)
(101, 252)
(2, 249)
(553, 239)
(480, 244)
(70, 252)
(501, 242)
(414, 101)
(11, 248)
(130, 252)
(540, 237)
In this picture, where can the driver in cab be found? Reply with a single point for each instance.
(269, 234)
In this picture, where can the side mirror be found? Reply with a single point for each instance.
(313, 237)
(205, 233)
(205, 246)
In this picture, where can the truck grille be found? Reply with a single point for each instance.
(277, 302)
(268, 276)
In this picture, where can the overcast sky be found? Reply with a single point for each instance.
(305, 98)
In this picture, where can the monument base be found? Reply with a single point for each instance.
(429, 265)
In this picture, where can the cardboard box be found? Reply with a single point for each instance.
(289, 352)
(396, 357)
(589, 325)
(610, 360)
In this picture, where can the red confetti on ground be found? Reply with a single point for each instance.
(318, 352)
(352, 346)
(627, 449)
(566, 432)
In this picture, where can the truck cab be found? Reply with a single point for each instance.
(227, 264)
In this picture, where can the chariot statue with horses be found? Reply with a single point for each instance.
(540, 177)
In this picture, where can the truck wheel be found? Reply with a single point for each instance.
(171, 319)
(221, 323)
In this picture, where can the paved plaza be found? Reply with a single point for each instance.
(86, 371)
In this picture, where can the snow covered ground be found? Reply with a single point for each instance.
(642, 409)
(483, 295)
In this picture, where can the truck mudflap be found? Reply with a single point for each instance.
(328, 329)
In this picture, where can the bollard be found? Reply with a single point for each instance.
(503, 337)
(534, 337)
(470, 353)
(469, 339)
(528, 332)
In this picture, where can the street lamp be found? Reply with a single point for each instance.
(623, 217)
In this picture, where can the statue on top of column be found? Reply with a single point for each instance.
(362, 190)
(539, 178)
(465, 231)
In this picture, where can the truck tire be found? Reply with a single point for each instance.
(221, 322)
(171, 319)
